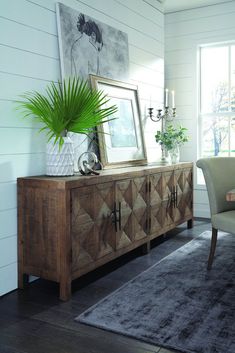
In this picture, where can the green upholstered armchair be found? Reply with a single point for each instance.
(219, 174)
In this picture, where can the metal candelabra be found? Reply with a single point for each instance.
(169, 114)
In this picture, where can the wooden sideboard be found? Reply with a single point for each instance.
(68, 226)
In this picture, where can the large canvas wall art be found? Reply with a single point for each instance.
(88, 46)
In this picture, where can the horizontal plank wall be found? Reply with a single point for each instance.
(185, 31)
(30, 60)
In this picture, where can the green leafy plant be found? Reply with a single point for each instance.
(171, 136)
(68, 106)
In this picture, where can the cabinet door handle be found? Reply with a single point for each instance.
(169, 201)
(120, 216)
(173, 196)
(117, 216)
(150, 186)
(176, 196)
(114, 216)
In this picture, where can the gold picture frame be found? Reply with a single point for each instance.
(121, 141)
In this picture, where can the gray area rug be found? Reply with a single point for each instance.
(177, 303)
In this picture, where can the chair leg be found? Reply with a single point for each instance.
(212, 249)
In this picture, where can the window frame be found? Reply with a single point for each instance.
(229, 114)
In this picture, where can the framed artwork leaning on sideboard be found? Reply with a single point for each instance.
(121, 140)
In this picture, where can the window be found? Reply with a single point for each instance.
(217, 100)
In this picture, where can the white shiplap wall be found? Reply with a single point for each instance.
(185, 31)
(29, 59)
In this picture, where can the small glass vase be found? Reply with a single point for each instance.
(174, 154)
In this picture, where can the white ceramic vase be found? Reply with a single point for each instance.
(60, 162)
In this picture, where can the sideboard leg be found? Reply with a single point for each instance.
(146, 248)
(190, 224)
(65, 290)
(23, 280)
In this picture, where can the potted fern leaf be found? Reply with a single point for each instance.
(68, 106)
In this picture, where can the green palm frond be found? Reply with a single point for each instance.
(68, 106)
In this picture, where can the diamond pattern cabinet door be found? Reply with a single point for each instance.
(168, 214)
(131, 195)
(140, 208)
(168, 184)
(156, 187)
(92, 231)
(155, 203)
(124, 236)
(188, 180)
(183, 185)
(185, 198)
(179, 182)
(156, 219)
(104, 205)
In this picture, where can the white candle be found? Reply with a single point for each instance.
(173, 99)
(166, 97)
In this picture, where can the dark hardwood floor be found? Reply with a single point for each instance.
(34, 320)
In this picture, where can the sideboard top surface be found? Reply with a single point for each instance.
(107, 175)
